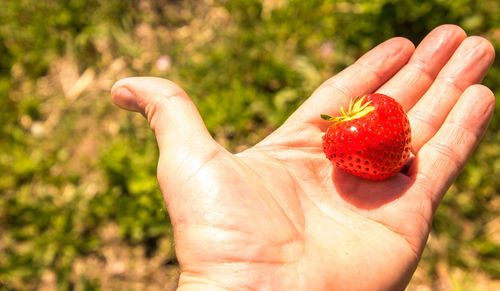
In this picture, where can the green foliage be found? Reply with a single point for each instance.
(133, 198)
(247, 65)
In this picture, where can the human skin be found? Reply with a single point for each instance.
(279, 216)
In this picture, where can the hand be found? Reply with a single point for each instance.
(279, 216)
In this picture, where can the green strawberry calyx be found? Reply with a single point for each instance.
(357, 109)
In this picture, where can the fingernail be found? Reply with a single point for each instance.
(125, 99)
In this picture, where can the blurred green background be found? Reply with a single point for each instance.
(80, 207)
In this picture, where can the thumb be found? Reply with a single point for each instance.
(177, 124)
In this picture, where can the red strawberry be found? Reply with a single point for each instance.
(372, 140)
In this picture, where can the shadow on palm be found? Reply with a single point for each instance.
(369, 195)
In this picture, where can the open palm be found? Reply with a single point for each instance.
(279, 216)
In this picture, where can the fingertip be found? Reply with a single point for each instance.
(404, 42)
(489, 95)
(118, 83)
(147, 88)
(388, 56)
(480, 89)
(473, 111)
(478, 49)
(399, 43)
(444, 39)
(449, 29)
(124, 98)
(135, 93)
(483, 47)
(436, 48)
(484, 95)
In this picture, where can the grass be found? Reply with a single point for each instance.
(80, 207)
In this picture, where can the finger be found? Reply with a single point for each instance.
(411, 82)
(364, 76)
(467, 66)
(442, 158)
(177, 124)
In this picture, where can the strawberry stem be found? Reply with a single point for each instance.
(357, 109)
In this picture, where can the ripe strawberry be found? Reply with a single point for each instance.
(372, 140)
